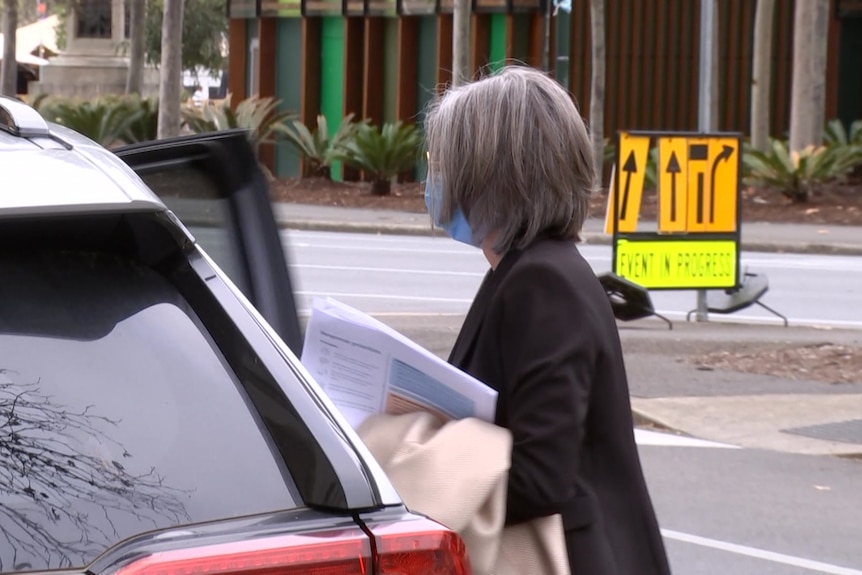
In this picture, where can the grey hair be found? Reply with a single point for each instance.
(514, 154)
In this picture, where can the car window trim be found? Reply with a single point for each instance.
(233, 166)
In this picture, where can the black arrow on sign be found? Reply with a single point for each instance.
(725, 154)
(630, 167)
(673, 169)
(699, 152)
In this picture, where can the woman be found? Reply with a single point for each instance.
(511, 171)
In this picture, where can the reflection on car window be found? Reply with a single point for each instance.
(117, 413)
(192, 194)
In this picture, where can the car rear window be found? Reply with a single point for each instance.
(118, 414)
(192, 195)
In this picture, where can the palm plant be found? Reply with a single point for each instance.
(836, 135)
(145, 126)
(39, 100)
(103, 120)
(259, 116)
(609, 151)
(318, 149)
(383, 153)
(651, 170)
(796, 174)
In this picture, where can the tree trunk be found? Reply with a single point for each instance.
(171, 80)
(761, 77)
(546, 38)
(381, 187)
(9, 67)
(461, 43)
(597, 85)
(808, 94)
(171, 74)
(137, 30)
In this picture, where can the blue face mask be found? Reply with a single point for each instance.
(458, 227)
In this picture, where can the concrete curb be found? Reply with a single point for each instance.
(590, 238)
(360, 228)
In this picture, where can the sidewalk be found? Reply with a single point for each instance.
(765, 237)
(671, 392)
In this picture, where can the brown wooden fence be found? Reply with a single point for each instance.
(652, 63)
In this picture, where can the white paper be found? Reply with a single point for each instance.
(366, 367)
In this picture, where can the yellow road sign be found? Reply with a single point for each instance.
(699, 190)
(673, 184)
(677, 264)
(724, 184)
(698, 183)
(628, 182)
(713, 184)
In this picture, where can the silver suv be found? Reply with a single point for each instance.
(152, 417)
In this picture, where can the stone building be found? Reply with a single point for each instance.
(94, 61)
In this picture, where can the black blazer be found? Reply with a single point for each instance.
(541, 332)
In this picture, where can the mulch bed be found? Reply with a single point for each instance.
(827, 363)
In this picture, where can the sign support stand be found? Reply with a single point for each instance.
(705, 102)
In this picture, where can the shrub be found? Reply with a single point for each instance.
(103, 120)
(609, 151)
(145, 126)
(383, 153)
(258, 116)
(38, 100)
(796, 174)
(318, 150)
(651, 170)
(835, 135)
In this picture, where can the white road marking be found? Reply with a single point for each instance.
(417, 314)
(370, 248)
(306, 312)
(311, 237)
(649, 437)
(385, 270)
(800, 562)
(384, 296)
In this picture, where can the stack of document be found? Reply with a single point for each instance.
(366, 367)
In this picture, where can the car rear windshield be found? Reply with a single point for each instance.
(118, 414)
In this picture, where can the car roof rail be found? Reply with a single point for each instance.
(19, 119)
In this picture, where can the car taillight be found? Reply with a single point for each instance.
(420, 547)
(415, 547)
(342, 552)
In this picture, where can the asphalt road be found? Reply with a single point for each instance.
(752, 512)
(422, 275)
(723, 510)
